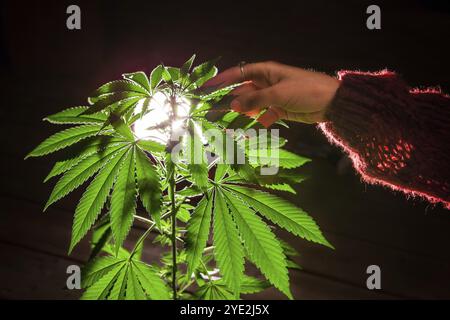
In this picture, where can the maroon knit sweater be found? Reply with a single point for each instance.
(396, 136)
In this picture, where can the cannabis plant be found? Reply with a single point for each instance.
(168, 141)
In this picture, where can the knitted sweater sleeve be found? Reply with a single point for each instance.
(396, 136)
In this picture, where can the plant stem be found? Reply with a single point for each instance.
(171, 167)
(208, 249)
(205, 269)
(190, 283)
(142, 219)
(174, 233)
(142, 238)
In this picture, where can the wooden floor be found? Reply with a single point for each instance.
(47, 69)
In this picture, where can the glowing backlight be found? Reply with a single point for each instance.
(157, 124)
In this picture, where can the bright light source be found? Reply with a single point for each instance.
(154, 125)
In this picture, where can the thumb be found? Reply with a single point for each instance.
(255, 100)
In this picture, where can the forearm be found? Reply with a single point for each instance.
(395, 137)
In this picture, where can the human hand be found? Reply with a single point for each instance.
(286, 92)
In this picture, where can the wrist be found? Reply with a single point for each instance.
(328, 92)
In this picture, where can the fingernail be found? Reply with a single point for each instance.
(235, 105)
(268, 118)
(265, 121)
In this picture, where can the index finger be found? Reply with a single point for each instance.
(252, 71)
(226, 78)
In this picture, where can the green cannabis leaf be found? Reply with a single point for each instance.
(116, 278)
(228, 248)
(160, 150)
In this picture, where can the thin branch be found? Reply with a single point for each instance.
(142, 219)
(141, 239)
(208, 249)
(190, 283)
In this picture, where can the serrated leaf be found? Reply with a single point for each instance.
(281, 212)
(124, 107)
(101, 236)
(191, 191)
(220, 93)
(114, 100)
(149, 185)
(282, 123)
(203, 72)
(216, 111)
(228, 249)
(166, 76)
(293, 265)
(262, 246)
(100, 289)
(151, 282)
(244, 122)
(151, 146)
(156, 77)
(80, 172)
(280, 187)
(121, 127)
(203, 91)
(97, 268)
(140, 78)
(134, 289)
(277, 181)
(137, 255)
(174, 74)
(279, 157)
(117, 86)
(213, 290)
(62, 166)
(251, 285)
(187, 66)
(288, 250)
(118, 289)
(183, 213)
(231, 153)
(111, 250)
(96, 145)
(198, 232)
(123, 201)
(94, 198)
(196, 159)
(75, 115)
(64, 139)
(265, 139)
(221, 171)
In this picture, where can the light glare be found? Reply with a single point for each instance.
(153, 125)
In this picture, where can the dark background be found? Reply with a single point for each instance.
(45, 68)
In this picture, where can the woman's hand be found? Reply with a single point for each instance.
(286, 92)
